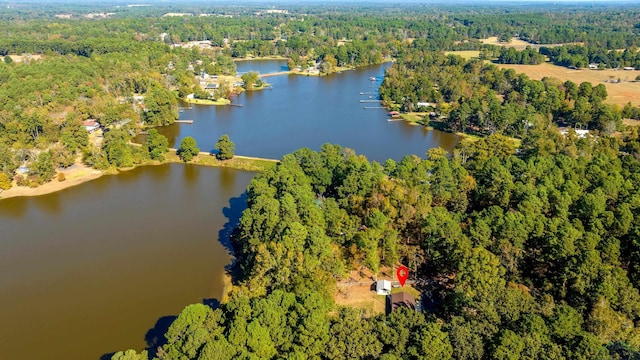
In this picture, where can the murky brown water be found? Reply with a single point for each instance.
(89, 270)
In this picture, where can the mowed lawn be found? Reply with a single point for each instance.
(628, 90)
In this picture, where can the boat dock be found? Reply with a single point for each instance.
(184, 121)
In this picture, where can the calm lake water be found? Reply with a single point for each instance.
(308, 111)
(92, 269)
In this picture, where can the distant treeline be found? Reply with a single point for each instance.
(581, 56)
(85, 47)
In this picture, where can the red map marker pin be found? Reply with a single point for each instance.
(403, 274)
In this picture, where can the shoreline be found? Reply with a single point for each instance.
(74, 178)
(83, 174)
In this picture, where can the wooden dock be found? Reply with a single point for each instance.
(370, 101)
(184, 121)
(236, 105)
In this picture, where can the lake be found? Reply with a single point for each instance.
(92, 269)
(308, 111)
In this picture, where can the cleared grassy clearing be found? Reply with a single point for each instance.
(218, 102)
(467, 54)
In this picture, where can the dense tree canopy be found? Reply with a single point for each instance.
(527, 255)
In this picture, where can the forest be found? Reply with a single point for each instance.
(528, 255)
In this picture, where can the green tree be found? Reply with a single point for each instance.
(509, 346)
(130, 355)
(188, 149)
(43, 168)
(161, 107)
(7, 162)
(225, 147)
(432, 343)
(351, 337)
(250, 78)
(117, 149)
(5, 181)
(329, 64)
(156, 145)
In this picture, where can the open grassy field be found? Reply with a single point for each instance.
(218, 102)
(628, 90)
(467, 54)
(514, 43)
(517, 43)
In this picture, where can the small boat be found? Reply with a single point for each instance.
(372, 78)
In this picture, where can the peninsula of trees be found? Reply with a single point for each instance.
(529, 255)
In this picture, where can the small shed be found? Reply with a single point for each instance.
(402, 299)
(383, 287)
(394, 113)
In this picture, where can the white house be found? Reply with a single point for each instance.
(579, 132)
(383, 287)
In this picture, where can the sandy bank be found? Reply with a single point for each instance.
(77, 175)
